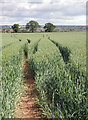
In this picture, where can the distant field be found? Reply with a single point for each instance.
(76, 42)
(58, 61)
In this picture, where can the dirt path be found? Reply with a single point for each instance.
(26, 107)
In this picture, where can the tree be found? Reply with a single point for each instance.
(49, 27)
(32, 25)
(16, 28)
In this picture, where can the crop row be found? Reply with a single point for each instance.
(11, 78)
(11, 83)
(62, 88)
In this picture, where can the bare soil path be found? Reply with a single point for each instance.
(27, 107)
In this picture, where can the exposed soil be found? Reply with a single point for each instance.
(27, 107)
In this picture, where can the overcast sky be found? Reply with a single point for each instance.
(58, 12)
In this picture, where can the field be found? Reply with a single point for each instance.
(58, 63)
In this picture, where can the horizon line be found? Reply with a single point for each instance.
(54, 24)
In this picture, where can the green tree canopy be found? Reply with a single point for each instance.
(49, 27)
(16, 28)
(32, 25)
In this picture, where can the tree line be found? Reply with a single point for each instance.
(32, 26)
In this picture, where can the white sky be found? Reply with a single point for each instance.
(59, 12)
